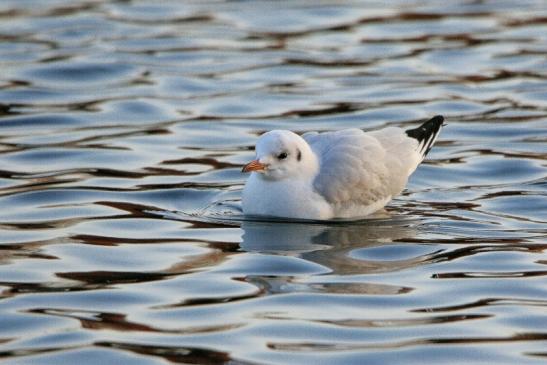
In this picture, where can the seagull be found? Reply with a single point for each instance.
(347, 173)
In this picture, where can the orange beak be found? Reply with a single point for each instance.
(254, 165)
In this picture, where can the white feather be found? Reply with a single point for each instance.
(341, 174)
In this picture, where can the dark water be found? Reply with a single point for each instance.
(123, 128)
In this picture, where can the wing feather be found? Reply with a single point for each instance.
(360, 169)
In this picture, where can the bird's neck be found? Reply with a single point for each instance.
(310, 165)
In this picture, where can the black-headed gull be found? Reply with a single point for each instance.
(342, 174)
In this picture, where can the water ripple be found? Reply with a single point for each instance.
(123, 128)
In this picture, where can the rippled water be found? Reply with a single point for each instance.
(123, 128)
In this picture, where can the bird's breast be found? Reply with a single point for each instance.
(284, 198)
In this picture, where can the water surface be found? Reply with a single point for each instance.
(123, 129)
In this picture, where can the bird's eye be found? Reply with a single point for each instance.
(282, 155)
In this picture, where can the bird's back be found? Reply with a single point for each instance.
(361, 171)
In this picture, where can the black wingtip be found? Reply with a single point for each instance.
(436, 119)
(427, 133)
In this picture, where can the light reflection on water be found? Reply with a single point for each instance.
(123, 128)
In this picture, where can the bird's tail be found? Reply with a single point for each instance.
(426, 134)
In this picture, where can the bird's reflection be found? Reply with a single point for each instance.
(330, 244)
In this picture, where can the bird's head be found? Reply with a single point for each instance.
(282, 154)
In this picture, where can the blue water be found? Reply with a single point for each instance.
(123, 129)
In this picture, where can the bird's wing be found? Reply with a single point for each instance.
(363, 168)
(427, 134)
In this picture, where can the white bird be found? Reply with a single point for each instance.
(342, 174)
